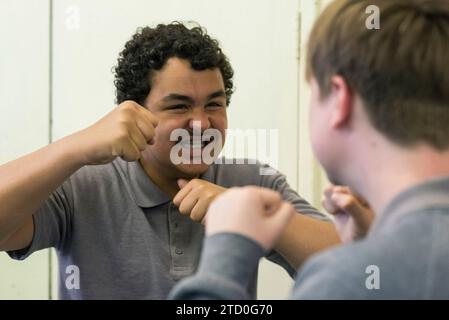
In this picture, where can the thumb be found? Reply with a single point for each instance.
(182, 183)
(271, 200)
(352, 206)
(279, 221)
(284, 213)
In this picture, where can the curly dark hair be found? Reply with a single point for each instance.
(150, 48)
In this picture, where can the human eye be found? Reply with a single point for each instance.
(177, 107)
(214, 105)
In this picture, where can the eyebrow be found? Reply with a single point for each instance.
(175, 96)
(217, 94)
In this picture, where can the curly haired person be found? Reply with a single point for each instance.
(124, 218)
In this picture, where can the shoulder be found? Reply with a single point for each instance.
(94, 178)
(401, 262)
(233, 172)
(95, 173)
(341, 273)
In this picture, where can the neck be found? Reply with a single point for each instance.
(168, 185)
(388, 173)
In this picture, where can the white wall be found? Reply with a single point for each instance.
(24, 124)
(311, 178)
(261, 37)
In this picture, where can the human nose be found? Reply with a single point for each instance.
(200, 119)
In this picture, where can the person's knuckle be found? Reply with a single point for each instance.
(122, 134)
(209, 195)
(128, 104)
(142, 147)
(348, 203)
(196, 216)
(182, 209)
(124, 118)
(201, 187)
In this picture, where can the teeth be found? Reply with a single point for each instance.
(192, 144)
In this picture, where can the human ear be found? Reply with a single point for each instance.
(342, 102)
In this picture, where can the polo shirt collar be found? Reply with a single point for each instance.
(145, 192)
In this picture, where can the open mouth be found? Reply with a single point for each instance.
(194, 143)
(192, 150)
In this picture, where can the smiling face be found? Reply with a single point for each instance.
(179, 96)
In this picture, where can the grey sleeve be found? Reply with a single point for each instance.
(326, 278)
(228, 263)
(51, 223)
(278, 182)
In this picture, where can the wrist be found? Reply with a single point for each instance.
(232, 256)
(73, 150)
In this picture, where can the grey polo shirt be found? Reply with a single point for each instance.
(118, 236)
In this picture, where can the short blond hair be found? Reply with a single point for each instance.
(399, 71)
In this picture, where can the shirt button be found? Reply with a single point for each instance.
(178, 251)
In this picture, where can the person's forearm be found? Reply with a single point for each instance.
(27, 182)
(303, 237)
(228, 264)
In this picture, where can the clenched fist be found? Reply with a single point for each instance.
(256, 213)
(353, 215)
(124, 132)
(195, 197)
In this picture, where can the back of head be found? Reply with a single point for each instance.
(399, 70)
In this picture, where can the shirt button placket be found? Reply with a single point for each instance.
(175, 234)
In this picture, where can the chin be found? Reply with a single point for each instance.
(192, 170)
(334, 179)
